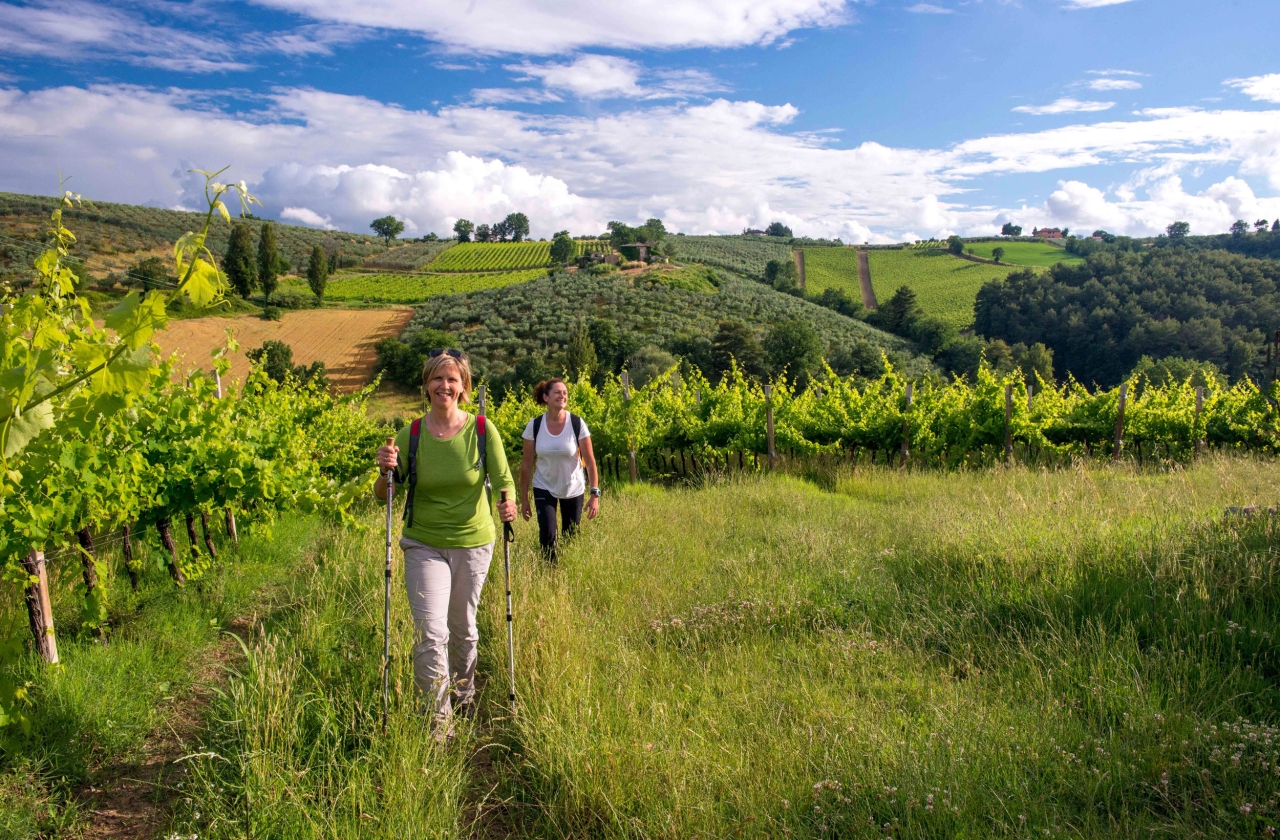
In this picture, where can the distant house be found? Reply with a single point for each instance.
(637, 251)
(1047, 233)
(753, 232)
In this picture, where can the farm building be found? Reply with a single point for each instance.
(1047, 233)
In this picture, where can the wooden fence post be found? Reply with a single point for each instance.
(768, 425)
(631, 452)
(1199, 409)
(1031, 390)
(1008, 423)
(697, 395)
(1118, 445)
(231, 516)
(39, 608)
(906, 432)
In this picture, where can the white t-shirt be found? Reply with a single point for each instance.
(558, 469)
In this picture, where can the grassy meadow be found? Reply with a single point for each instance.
(863, 653)
(945, 286)
(1024, 253)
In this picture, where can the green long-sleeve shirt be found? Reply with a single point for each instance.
(449, 505)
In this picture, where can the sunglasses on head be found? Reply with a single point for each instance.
(451, 353)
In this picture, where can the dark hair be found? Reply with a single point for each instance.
(540, 390)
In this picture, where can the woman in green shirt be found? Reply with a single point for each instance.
(449, 534)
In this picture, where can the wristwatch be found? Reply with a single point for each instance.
(595, 492)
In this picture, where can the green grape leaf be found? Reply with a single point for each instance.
(136, 318)
(26, 427)
(130, 372)
(203, 284)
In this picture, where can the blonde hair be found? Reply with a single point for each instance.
(434, 364)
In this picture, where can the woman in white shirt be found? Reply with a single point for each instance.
(560, 464)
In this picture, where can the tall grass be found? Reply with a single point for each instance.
(1005, 653)
(1017, 653)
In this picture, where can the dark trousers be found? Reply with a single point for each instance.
(570, 514)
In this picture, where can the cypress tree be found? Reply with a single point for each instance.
(580, 357)
(268, 261)
(239, 264)
(318, 272)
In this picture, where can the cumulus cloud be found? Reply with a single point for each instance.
(462, 186)
(1093, 4)
(1066, 105)
(930, 9)
(1113, 84)
(709, 167)
(1260, 88)
(547, 27)
(308, 217)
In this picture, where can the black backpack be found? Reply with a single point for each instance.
(412, 478)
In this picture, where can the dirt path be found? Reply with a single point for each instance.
(864, 278)
(341, 338)
(798, 256)
(136, 797)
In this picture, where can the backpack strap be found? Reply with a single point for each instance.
(537, 424)
(482, 436)
(576, 423)
(415, 431)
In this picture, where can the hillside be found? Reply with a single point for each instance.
(411, 256)
(1100, 318)
(745, 255)
(499, 326)
(111, 237)
(1022, 253)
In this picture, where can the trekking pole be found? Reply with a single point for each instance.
(509, 534)
(386, 603)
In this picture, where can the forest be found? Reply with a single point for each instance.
(1099, 319)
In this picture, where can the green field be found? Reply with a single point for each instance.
(745, 255)
(415, 288)
(1007, 653)
(1023, 253)
(503, 256)
(832, 268)
(411, 256)
(945, 286)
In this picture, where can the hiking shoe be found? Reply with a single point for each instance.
(466, 711)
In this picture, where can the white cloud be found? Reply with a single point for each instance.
(587, 76)
(712, 167)
(432, 200)
(308, 217)
(78, 29)
(546, 27)
(1114, 73)
(1066, 105)
(1093, 4)
(1113, 84)
(607, 77)
(1260, 88)
(930, 9)
(496, 96)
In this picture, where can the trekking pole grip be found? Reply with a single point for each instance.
(508, 533)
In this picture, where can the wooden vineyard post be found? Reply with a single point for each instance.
(1008, 423)
(1031, 389)
(191, 535)
(231, 517)
(697, 395)
(204, 531)
(166, 539)
(906, 432)
(126, 548)
(1199, 411)
(39, 608)
(768, 425)
(1118, 445)
(88, 556)
(631, 450)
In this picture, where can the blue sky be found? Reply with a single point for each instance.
(873, 121)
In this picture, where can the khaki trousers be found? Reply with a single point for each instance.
(444, 592)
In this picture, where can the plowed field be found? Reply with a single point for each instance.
(341, 338)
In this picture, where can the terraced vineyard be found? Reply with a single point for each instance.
(740, 254)
(415, 288)
(1024, 253)
(832, 268)
(944, 285)
(504, 256)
